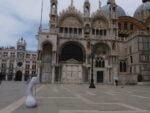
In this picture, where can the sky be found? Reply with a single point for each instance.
(21, 18)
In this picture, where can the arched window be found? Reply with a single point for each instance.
(119, 26)
(131, 26)
(100, 63)
(101, 49)
(123, 66)
(93, 31)
(61, 29)
(72, 51)
(87, 29)
(105, 32)
(75, 30)
(53, 8)
(114, 9)
(125, 26)
(97, 63)
(97, 31)
(87, 9)
(114, 46)
(70, 30)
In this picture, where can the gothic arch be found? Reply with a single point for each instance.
(101, 49)
(100, 62)
(100, 20)
(46, 58)
(18, 76)
(65, 21)
(72, 50)
(46, 43)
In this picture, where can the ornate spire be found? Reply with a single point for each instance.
(71, 3)
(100, 4)
(86, 8)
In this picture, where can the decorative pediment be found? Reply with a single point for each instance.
(100, 19)
(72, 61)
(72, 14)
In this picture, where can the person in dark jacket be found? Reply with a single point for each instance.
(116, 80)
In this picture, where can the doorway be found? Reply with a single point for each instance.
(18, 76)
(100, 76)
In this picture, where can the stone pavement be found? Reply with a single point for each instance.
(70, 98)
(10, 92)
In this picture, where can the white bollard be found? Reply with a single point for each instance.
(31, 101)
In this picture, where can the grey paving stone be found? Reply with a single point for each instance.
(79, 98)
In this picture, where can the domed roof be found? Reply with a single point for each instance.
(143, 7)
(120, 11)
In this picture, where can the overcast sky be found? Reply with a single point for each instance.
(20, 18)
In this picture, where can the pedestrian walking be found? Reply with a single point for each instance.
(116, 80)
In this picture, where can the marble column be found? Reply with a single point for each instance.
(38, 74)
(39, 66)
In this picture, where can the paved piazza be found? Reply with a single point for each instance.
(60, 98)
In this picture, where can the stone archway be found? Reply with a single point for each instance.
(46, 75)
(18, 76)
(101, 52)
(72, 50)
(72, 56)
(101, 49)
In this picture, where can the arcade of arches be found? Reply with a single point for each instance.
(71, 63)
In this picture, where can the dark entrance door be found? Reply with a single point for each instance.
(72, 51)
(100, 76)
(18, 76)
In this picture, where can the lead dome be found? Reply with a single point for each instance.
(120, 10)
(143, 11)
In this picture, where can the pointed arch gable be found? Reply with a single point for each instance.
(101, 49)
(99, 20)
(46, 42)
(70, 20)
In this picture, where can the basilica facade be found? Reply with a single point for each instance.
(118, 45)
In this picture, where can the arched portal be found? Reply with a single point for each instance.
(18, 76)
(101, 52)
(72, 58)
(101, 49)
(46, 75)
(72, 50)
